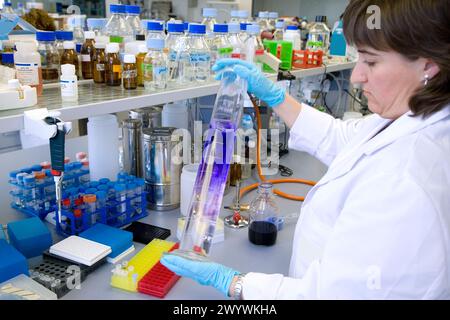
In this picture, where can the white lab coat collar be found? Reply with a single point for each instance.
(364, 145)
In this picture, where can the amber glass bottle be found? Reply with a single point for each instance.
(99, 62)
(113, 66)
(70, 56)
(140, 64)
(87, 55)
(129, 73)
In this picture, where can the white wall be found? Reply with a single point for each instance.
(309, 8)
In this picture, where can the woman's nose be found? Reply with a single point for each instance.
(358, 74)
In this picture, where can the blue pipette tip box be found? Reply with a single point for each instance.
(30, 236)
(12, 262)
(118, 239)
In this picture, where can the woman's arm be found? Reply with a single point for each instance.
(288, 110)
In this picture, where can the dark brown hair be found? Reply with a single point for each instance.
(413, 28)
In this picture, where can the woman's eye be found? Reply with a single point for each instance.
(370, 63)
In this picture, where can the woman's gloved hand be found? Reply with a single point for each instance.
(204, 272)
(258, 84)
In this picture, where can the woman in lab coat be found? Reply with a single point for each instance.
(377, 225)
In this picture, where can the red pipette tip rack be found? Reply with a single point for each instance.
(159, 280)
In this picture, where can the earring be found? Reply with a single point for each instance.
(427, 77)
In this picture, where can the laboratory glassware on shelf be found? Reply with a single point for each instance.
(178, 58)
(319, 36)
(213, 171)
(199, 54)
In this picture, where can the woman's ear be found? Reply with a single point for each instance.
(431, 68)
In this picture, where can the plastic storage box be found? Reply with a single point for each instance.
(12, 262)
(119, 240)
(30, 236)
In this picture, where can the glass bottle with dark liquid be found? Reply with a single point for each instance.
(263, 216)
(113, 66)
(70, 56)
(129, 73)
(87, 55)
(99, 62)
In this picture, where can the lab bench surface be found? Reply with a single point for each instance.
(236, 251)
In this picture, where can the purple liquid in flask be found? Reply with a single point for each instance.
(212, 174)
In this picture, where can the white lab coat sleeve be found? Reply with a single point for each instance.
(321, 135)
(382, 246)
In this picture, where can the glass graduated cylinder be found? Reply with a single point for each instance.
(212, 174)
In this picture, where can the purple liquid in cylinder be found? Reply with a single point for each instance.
(223, 155)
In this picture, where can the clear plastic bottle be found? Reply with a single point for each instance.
(28, 65)
(235, 40)
(49, 55)
(253, 46)
(220, 45)
(243, 33)
(7, 8)
(62, 36)
(70, 56)
(118, 30)
(318, 36)
(292, 34)
(212, 174)
(77, 26)
(234, 16)
(209, 20)
(132, 18)
(264, 215)
(176, 42)
(155, 30)
(20, 11)
(279, 31)
(263, 21)
(243, 16)
(199, 54)
(97, 25)
(155, 65)
(87, 55)
(273, 17)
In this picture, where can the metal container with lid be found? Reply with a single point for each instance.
(149, 116)
(162, 159)
(132, 147)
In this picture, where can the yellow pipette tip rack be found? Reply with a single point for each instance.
(126, 276)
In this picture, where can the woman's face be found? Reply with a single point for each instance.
(388, 80)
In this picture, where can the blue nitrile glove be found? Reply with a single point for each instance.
(258, 84)
(204, 272)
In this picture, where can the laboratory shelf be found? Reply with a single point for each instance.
(98, 99)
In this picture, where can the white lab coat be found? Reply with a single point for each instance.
(377, 225)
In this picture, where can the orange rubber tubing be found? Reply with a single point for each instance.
(262, 177)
